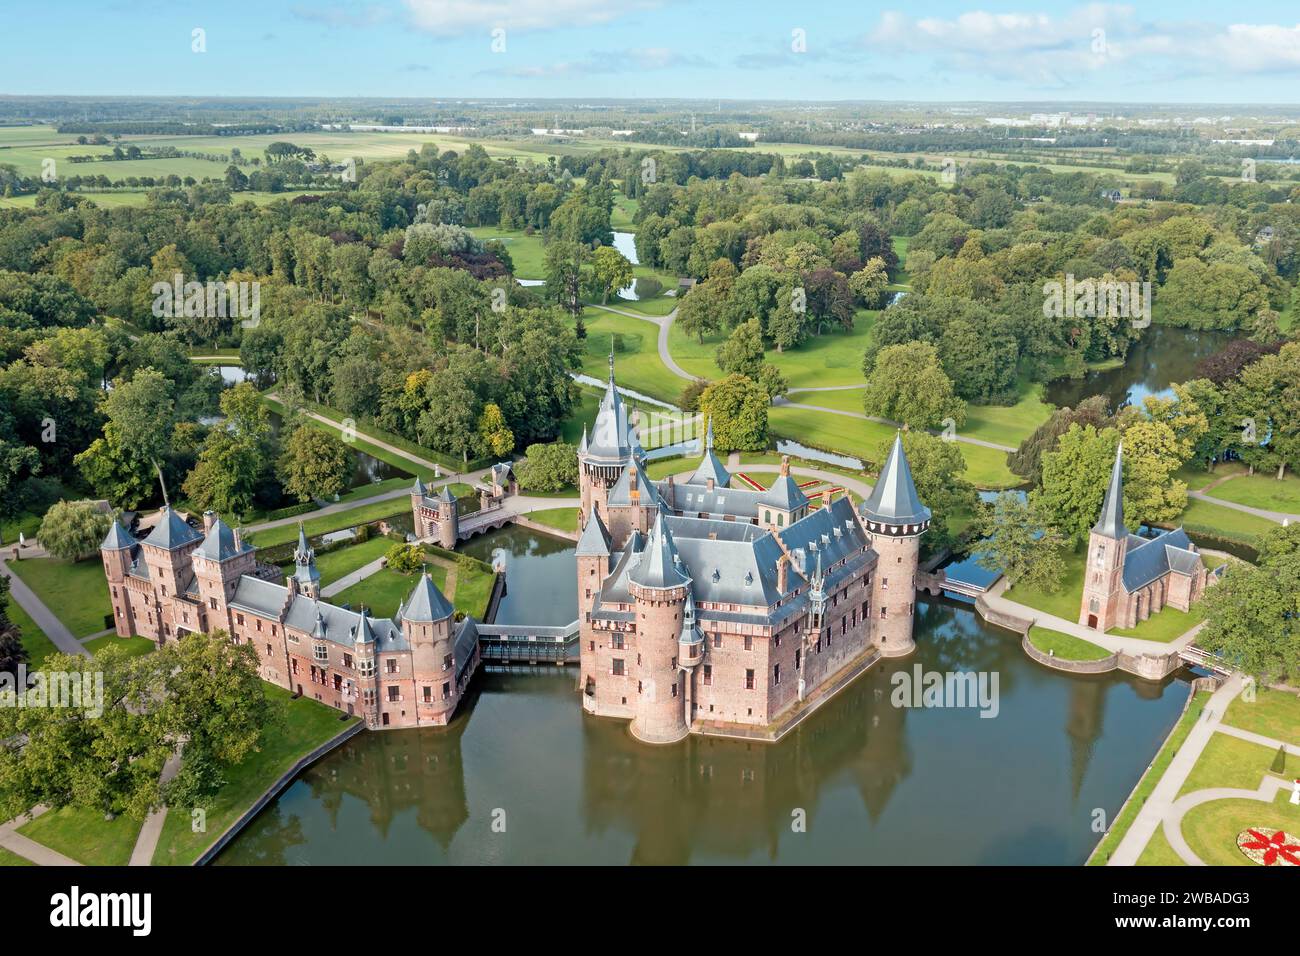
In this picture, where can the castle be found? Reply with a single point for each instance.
(408, 671)
(710, 608)
(1128, 578)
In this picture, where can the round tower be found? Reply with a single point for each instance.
(448, 520)
(660, 589)
(895, 519)
(604, 457)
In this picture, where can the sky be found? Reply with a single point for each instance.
(1193, 51)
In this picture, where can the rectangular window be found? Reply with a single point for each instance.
(749, 680)
(616, 642)
(390, 665)
(883, 615)
(393, 693)
(776, 673)
(268, 650)
(213, 602)
(617, 667)
(446, 662)
(446, 690)
(717, 639)
(708, 675)
(749, 643)
(884, 584)
(347, 660)
(428, 694)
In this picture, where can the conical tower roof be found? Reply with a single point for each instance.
(1111, 522)
(612, 440)
(425, 603)
(595, 538)
(117, 538)
(894, 499)
(659, 565)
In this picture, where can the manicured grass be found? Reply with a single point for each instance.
(526, 252)
(1165, 626)
(1274, 713)
(1211, 829)
(1197, 478)
(832, 358)
(134, 646)
(1261, 491)
(344, 561)
(1065, 646)
(584, 414)
(1008, 424)
(659, 470)
(75, 591)
(383, 591)
(565, 519)
(1208, 518)
(85, 836)
(38, 646)
(349, 517)
(1231, 762)
(26, 524)
(307, 724)
(1158, 852)
(636, 356)
(13, 859)
(473, 589)
(1149, 780)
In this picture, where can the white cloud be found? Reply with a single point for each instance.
(454, 17)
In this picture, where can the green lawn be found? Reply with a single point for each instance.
(1273, 713)
(349, 517)
(1065, 646)
(13, 859)
(85, 836)
(1211, 829)
(1158, 852)
(833, 358)
(1008, 424)
(1149, 780)
(1222, 521)
(34, 640)
(526, 252)
(134, 646)
(344, 561)
(564, 519)
(584, 414)
(26, 523)
(1169, 624)
(307, 725)
(384, 590)
(75, 591)
(636, 355)
(1261, 491)
(1231, 762)
(1197, 478)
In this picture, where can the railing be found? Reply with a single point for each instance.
(1203, 658)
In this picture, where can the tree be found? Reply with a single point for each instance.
(12, 651)
(1075, 477)
(907, 385)
(870, 284)
(314, 464)
(493, 430)
(1151, 456)
(1026, 461)
(1250, 620)
(141, 413)
(563, 265)
(404, 558)
(71, 530)
(1019, 545)
(548, 467)
(738, 406)
(742, 352)
(611, 271)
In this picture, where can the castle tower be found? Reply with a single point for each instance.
(609, 452)
(593, 561)
(425, 618)
(660, 588)
(116, 552)
(1103, 580)
(711, 472)
(784, 503)
(304, 566)
(419, 512)
(895, 519)
(447, 520)
(363, 645)
(219, 562)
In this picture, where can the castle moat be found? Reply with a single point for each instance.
(876, 783)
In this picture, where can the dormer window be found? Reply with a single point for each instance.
(320, 651)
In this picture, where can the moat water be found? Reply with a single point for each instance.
(876, 783)
(1164, 355)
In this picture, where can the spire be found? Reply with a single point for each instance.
(418, 488)
(595, 539)
(659, 566)
(426, 603)
(304, 560)
(1111, 522)
(894, 499)
(303, 553)
(582, 448)
(708, 436)
(611, 360)
(365, 633)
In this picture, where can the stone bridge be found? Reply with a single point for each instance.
(936, 582)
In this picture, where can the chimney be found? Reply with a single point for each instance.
(785, 466)
(634, 491)
(782, 574)
(209, 517)
(672, 497)
(709, 483)
(239, 539)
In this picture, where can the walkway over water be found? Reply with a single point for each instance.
(528, 643)
(1199, 657)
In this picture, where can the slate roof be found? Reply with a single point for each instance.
(613, 437)
(659, 565)
(710, 465)
(425, 603)
(784, 494)
(894, 499)
(1148, 559)
(171, 531)
(117, 538)
(621, 493)
(595, 539)
(219, 543)
(1111, 522)
(694, 499)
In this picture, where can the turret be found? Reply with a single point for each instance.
(421, 519)
(895, 519)
(219, 561)
(660, 588)
(593, 554)
(611, 448)
(1103, 579)
(784, 503)
(447, 522)
(425, 618)
(304, 566)
(711, 473)
(116, 551)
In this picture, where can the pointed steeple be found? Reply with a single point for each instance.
(894, 500)
(1111, 522)
(365, 633)
(708, 436)
(304, 561)
(582, 447)
(659, 566)
(117, 538)
(418, 488)
(595, 539)
(425, 603)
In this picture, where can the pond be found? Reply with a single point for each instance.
(625, 242)
(1163, 356)
(877, 783)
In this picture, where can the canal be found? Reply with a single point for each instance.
(876, 783)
